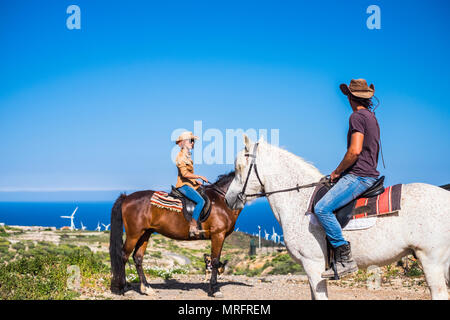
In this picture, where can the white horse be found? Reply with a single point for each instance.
(422, 225)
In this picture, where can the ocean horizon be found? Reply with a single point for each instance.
(42, 209)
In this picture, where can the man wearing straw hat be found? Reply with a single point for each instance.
(356, 173)
(187, 182)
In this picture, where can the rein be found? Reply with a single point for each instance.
(242, 195)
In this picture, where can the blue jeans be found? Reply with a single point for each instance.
(193, 195)
(345, 190)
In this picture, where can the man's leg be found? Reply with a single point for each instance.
(346, 189)
(339, 195)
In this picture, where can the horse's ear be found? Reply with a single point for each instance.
(247, 142)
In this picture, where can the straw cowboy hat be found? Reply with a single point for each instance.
(358, 88)
(187, 135)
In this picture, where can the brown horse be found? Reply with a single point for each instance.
(141, 219)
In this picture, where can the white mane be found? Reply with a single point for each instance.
(291, 160)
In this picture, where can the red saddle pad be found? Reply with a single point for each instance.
(385, 203)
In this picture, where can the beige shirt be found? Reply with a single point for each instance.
(185, 165)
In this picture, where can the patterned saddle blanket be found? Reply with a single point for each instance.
(162, 199)
(176, 201)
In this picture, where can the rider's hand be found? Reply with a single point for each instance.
(200, 178)
(334, 176)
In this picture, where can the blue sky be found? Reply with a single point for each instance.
(94, 109)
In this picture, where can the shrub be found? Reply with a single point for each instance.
(41, 272)
(40, 277)
(3, 232)
(18, 246)
(283, 264)
(414, 270)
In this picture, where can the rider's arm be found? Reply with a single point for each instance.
(352, 153)
(190, 175)
(185, 172)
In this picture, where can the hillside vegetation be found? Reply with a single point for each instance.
(43, 263)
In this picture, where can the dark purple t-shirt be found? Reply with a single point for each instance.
(364, 121)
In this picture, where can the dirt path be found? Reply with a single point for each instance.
(192, 287)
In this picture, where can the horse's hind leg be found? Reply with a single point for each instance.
(138, 257)
(434, 274)
(128, 247)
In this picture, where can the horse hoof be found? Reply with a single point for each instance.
(147, 290)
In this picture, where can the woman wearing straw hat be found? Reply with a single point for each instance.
(187, 182)
(357, 171)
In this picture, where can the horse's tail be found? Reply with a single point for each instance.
(118, 279)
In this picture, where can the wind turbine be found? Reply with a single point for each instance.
(106, 227)
(274, 235)
(98, 227)
(259, 236)
(72, 225)
(82, 227)
(266, 235)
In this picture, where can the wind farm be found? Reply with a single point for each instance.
(72, 226)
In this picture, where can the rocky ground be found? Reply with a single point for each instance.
(276, 287)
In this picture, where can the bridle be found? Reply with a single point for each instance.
(242, 196)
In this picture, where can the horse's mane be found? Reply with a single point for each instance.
(295, 159)
(223, 181)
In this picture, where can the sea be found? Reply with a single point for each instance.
(93, 213)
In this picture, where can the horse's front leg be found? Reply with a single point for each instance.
(216, 249)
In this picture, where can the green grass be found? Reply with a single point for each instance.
(156, 254)
(283, 264)
(3, 232)
(414, 270)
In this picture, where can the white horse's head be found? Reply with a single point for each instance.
(235, 196)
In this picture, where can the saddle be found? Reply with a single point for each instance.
(189, 205)
(370, 202)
